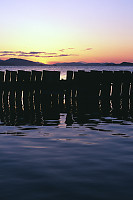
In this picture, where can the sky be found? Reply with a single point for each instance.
(51, 31)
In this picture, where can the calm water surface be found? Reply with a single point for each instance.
(64, 69)
(90, 158)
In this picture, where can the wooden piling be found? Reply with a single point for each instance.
(106, 90)
(12, 97)
(69, 87)
(1, 90)
(126, 90)
(116, 90)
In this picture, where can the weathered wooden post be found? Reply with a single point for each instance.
(46, 83)
(80, 81)
(6, 86)
(5, 97)
(68, 92)
(37, 96)
(55, 86)
(32, 92)
(131, 95)
(83, 91)
(75, 91)
(126, 90)
(50, 90)
(26, 94)
(36, 86)
(20, 85)
(75, 83)
(116, 91)
(106, 90)
(12, 98)
(50, 84)
(62, 91)
(69, 87)
(94, 89)
(1, 90)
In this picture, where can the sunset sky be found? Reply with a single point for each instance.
(50, 31)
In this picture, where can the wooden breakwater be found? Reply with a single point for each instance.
(42, 95)
(85, 86)
(101, 84)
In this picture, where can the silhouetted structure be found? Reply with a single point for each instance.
(36, 97)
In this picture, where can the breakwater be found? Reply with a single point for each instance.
(36, 96)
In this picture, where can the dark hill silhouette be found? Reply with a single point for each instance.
(126, 64)
(1, 61)
(120, 64)
(23, 62)
(70, 64)
(19, 62)
(78, 64)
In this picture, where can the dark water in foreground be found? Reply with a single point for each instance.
(89, 156)
(81, 161)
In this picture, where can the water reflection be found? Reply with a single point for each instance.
(44, 109)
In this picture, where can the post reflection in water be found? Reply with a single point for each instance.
(42, 108)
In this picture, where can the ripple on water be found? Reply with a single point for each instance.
(88, 161)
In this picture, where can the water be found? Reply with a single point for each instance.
(64, 69)
(89, 156)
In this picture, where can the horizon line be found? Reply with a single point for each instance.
(53, 63)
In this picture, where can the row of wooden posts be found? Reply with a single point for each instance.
(103, 84)
(38, 95)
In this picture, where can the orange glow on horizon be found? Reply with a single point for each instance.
(86, 54)
(85, 59)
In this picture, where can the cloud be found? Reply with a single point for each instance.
(31, 53)
(6, 52)
(63, 55)
(25, 55)
(36, 54)
(88, 49)
(19, 52)
(62, 50)
(46, 56)
(50, 53)
(10, 54)
(22, 53)
(55, 56)
(71, 48)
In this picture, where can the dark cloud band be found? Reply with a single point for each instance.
(34, 54)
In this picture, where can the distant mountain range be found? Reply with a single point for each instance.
(93, 64)
(77, 64)
(22, 62)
